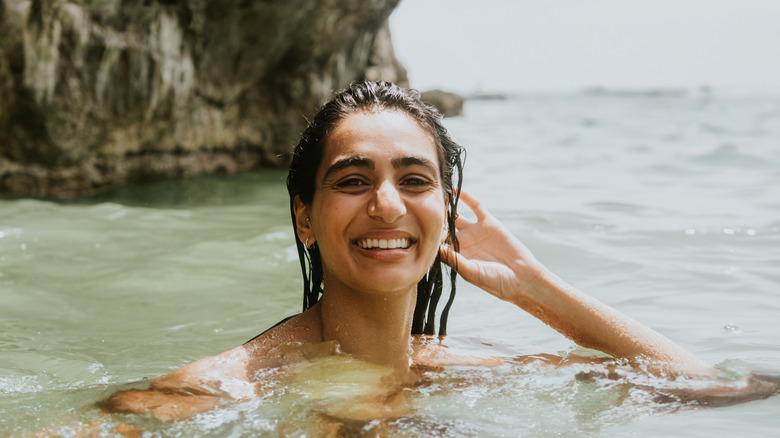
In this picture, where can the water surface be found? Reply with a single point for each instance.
(667, 208)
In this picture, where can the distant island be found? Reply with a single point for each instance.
(487, 96)
(638, 92)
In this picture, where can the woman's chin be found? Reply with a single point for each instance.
(387, 281)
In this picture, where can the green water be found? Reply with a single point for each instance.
(666, 209)
(96, 292)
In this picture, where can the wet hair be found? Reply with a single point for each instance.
(378, 96)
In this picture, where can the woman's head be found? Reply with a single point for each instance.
(376, 98)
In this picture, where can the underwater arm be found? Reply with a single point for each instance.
(493, 259)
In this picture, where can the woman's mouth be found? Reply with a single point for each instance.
(400, 243)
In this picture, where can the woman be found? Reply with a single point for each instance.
(374, 209)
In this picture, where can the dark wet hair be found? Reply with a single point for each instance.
(377, 96)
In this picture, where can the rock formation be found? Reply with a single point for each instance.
(448, 104)
(98, 92)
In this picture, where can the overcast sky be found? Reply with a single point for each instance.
(536, 45)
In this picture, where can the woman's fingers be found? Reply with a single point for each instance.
(461, 222)
(453, 259)
(474, 205)
(469, 270)
(466, 268)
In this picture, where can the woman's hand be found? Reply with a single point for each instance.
(490, 257)
(494, 260)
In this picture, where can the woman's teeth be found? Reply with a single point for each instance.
(384, 243)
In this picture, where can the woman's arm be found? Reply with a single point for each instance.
(493, 259)
(225, 378)
(193, 389)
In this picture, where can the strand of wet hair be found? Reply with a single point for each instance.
(303, 258)
(430, 324)
(423, 295)
(458, 162)
(445, 313)
(425, 288)
(316, 269)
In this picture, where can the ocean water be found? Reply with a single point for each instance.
(665, 207)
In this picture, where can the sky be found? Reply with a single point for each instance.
(567, 45)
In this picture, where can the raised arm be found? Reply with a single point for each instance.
(493, 259)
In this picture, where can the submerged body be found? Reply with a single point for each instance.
(378, 219)
(296, 348)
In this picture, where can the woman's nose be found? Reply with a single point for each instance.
(387, 204)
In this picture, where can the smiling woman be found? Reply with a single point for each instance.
(398, 123)
(378, 185)
(374, 209)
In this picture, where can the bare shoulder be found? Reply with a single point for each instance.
(187, 391)
(216, 380)
(237, 364)
(273, 347)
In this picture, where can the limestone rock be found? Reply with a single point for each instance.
(382, 64)
(448, 104)
(97, 92)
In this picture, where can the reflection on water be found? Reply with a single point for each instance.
(665, 208)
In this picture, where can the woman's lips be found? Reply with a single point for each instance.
(372, 244)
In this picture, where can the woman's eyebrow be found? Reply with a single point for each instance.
(413, 161)
(368, 163)
(349, 162)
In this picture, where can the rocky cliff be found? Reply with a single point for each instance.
(98, 92)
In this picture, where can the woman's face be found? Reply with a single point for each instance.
(378, 212)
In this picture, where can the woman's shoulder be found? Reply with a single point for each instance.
(231, 375)
(271, 346)
(238, 362)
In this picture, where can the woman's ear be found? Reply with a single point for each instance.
(303, 222)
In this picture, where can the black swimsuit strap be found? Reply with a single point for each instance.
(273, 326)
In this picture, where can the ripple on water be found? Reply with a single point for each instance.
(731, 155)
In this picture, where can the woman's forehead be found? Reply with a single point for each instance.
(381, 135)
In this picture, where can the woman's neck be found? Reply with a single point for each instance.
(372, 327)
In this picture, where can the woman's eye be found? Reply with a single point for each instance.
(351, 182)
(416, 182)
